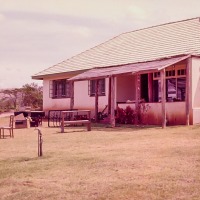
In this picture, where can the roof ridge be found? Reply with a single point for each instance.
(77, 55)
(124, 34)
(164, 24)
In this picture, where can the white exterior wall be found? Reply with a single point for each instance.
(195, 87)
(82, 100)
(195, 82)
(53, 104)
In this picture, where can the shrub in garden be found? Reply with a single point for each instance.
(120, 117)
(132, 116)
(125, 116)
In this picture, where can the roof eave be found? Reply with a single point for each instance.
(54, 75)
(94, 74)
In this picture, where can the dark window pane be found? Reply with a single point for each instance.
(144, 87)
(92, 87)
(171, 89)
(60, 88)
(68, 89)
(156, 74)
(102, 87)
(170, 73)
(181, 85)
(181, 72)
(156, 91)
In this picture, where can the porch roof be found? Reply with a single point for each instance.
(128, 69)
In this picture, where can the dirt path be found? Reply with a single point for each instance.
(6, 114)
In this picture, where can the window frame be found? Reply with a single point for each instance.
(59, 89)
(92, 87)
(176, 72)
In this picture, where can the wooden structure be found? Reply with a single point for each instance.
(21, 121)
(70, 118)
(9, 127)
(40, 141)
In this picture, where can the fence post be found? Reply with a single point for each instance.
(40, 141)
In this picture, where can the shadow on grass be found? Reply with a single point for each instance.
(24, 159)
(69, 131)
(119, 128)
(6, 137)
(105, 128)
(122, 127)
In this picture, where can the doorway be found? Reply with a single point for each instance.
(144, 87)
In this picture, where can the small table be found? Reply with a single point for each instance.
(36, 117)
(76, 119)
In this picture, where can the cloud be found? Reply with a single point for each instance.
(109, 11)
(137, 12)
(38, 34)
(2, 17)
(13, 75)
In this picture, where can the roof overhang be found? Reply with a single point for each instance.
(128, 69)
(58, 75)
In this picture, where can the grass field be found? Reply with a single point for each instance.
(104, 164)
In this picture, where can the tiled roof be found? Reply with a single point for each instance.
(167, 40)
(130, 68)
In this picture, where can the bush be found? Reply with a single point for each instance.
(126, 116)
(132, 116)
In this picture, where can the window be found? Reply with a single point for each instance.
(170, 73)
(92, 87)
(181, 72)
(181, 84)
(175, 84)
(156, 91)
(144, 87)
(171, 89)
(156, 74)
(59, 89)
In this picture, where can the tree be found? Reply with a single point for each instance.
(32, 95)
(28, 95)
(10, 97)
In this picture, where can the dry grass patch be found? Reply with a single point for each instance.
(120, 163)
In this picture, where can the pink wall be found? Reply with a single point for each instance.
(196, 90)
(176, 114)
(195, 82)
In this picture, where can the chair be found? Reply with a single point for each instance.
(9, 127)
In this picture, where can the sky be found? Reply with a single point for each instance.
(37, 34)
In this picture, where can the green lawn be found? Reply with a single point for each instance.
(104, 164)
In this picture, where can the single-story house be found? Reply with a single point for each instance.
(158, 66)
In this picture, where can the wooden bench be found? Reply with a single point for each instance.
(75, 122)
